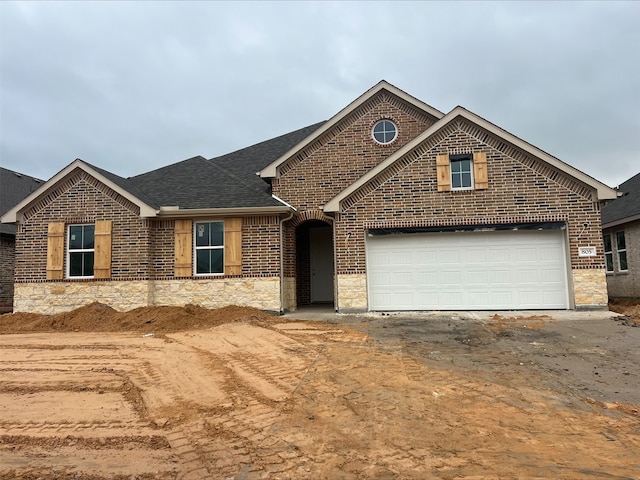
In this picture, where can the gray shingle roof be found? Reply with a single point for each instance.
(228, 181)
(125, 184)
(14, 187)
(247, 162)
(198, 183)
(628, 205)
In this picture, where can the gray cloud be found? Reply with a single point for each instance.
(132, 86)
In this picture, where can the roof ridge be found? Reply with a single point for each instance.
(171, 165)
(269, 140)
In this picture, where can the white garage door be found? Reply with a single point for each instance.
(502, 270)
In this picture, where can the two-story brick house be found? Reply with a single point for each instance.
(388, 205)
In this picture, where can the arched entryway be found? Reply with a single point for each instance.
(314, 263)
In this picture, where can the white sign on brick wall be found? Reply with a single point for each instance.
(586, 251)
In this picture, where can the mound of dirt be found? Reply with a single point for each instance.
(97, 317)
(629, 308)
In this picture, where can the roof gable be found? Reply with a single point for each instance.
(117, 184)
(625, 208)
(272, 170)
(603, 191)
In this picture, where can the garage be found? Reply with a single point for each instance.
(468, 270)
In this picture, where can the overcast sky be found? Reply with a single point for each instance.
(133, 86)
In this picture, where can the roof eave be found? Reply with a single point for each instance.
(176, 212)
(271, 170)
(621, 221)
(15, 214)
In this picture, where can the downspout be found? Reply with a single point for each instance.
(282, 286)
(335, 266)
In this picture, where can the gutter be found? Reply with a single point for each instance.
(173, 212)
(621, 221)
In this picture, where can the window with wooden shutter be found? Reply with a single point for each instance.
(81, 249)
(480, 177)
(183, 248)
(233, 246)
(102, 261)
(55, 250)
(460, 178)
(443, 173)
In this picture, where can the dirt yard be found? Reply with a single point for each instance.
(189, 393)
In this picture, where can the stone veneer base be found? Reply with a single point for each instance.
(590, 288)
(590, 292)
(54, 297)
(352, 293)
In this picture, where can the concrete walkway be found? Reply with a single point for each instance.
(326, 313)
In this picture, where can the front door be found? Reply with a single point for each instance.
(321, 264)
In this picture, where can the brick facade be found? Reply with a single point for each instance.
(522, 189)
(275, 269)
(345, 153)
(142, 256)
(7, 264)
(81, 199)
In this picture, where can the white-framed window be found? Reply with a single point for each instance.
(209, 248)
(461, 172)
(608, 252)
(384, 131)
(621, 249)
(80, 251)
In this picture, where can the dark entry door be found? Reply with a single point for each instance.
(321, 263)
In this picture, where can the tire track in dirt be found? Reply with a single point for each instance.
(238, 440)
(71, 385)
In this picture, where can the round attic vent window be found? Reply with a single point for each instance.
(385, 131)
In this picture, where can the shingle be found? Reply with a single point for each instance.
(125, 184)
(627, 205)
(197, 183)
(14, 187)
(246, 163)
(228, 181)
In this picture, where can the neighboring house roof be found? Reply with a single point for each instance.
(271, 170)
(14, 187)
(603, 191)
(625, 208)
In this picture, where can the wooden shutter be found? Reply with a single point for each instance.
(444, 173)
(102, 255)
(55, 250)
(480, 177)
(233, 246)
(183, 248)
